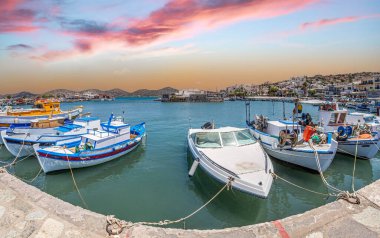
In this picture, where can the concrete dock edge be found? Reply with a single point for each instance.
(26, 211)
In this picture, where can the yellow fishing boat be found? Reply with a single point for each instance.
(42, 109)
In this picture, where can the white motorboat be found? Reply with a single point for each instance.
(230, 153)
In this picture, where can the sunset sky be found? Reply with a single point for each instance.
(208, 44)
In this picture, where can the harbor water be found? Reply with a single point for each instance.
(152, 183)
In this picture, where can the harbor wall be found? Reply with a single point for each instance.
(26, 211)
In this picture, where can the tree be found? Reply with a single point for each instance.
(312, 92)
(272, 90)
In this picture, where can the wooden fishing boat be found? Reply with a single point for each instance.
(42, 109)
(98, 146)
(20, 143)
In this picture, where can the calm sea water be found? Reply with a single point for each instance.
(151, 183)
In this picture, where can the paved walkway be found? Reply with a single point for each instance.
(25, 211)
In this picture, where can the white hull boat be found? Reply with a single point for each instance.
(96, 148)
(232, 154)
(353, 139)
(300, 154)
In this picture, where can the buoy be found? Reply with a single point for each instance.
(193, 168)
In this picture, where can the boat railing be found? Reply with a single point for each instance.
(217, 165)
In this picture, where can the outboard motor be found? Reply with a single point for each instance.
(208, 125)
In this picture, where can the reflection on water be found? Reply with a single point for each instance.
(151, 183)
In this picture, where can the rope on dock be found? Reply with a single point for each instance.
(72, 176)
(349, 197)
(115, 226)
(276, 176)
(17, 156)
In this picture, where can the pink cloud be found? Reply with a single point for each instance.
(315, 25)
(326, 22)
(15, 18)
(176, 20)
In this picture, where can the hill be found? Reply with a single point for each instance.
(116, 92)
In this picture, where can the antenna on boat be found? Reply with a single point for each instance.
(123, 116)
(247, 112)
(109, 123)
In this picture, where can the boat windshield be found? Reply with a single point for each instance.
(207, 140)
(233, 138)
(244, 137)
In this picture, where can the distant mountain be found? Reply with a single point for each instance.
(153, 93)
(116, 92)
(23, 94)
(59, 92)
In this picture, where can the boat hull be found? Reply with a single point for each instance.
(365, 149)
(8, 120)
(223, 176)
(24, 147)
(303, 158)
(61, 158)
(53, 162)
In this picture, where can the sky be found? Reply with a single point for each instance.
(206, 44)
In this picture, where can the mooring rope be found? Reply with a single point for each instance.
(349, 197)
(72, 176)
(17, 156)
(116, 226)
(275, 176)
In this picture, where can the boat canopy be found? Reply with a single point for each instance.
(87, 119)
(67, 128)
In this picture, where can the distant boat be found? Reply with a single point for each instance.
(43, 109)
(314, 102)
(21, 144)
(96, 147)
(230, 153)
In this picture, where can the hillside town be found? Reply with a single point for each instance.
(357, 85)
(365, 85)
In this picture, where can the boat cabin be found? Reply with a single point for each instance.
(47, 123)
(219, 139)
(275, 127)
(110, 133)
(47, 105)
(41, 107)
(333, 117)
(88, 122)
